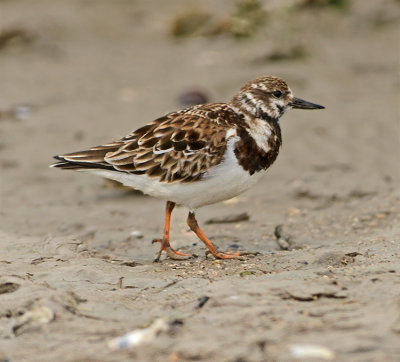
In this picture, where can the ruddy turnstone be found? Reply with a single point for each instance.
(197, 156)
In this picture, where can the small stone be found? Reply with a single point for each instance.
(82, 247)
(246, 273)
(192, 98)
(136, 234)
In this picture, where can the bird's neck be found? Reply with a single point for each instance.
(260, 139)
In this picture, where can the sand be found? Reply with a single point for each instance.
(76, 256)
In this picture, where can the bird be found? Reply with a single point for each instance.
(197, 156)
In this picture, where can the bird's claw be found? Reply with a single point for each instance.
(171, 253)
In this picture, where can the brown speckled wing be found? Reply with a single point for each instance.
(180, 146)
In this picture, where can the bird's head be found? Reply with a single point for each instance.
(268, 97)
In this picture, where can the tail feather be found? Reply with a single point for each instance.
(73, 165)
(88, 159)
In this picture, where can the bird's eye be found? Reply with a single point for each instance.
(277, 94)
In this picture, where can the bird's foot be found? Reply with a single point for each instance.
(171, 252)
(232, 255)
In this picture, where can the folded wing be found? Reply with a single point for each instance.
(180, 146)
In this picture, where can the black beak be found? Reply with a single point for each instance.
(302, 104)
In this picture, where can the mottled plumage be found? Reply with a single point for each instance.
(180, 146)
(200, 155)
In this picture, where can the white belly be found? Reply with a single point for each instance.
(222, 182)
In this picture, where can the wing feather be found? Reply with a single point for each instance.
(180, 146)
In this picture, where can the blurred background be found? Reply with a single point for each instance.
(78, 73)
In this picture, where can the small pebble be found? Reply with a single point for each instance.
(136, 234)
(22, 112)
(202, 301)
(192, 98)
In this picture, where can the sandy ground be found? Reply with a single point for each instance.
(76, 256)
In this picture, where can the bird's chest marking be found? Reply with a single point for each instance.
(259, 145)
(260, 131)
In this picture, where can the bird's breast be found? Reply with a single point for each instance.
(258, 145)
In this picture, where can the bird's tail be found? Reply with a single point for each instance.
(94, 158)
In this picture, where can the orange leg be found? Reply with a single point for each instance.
(192, 222)
(165, 245)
